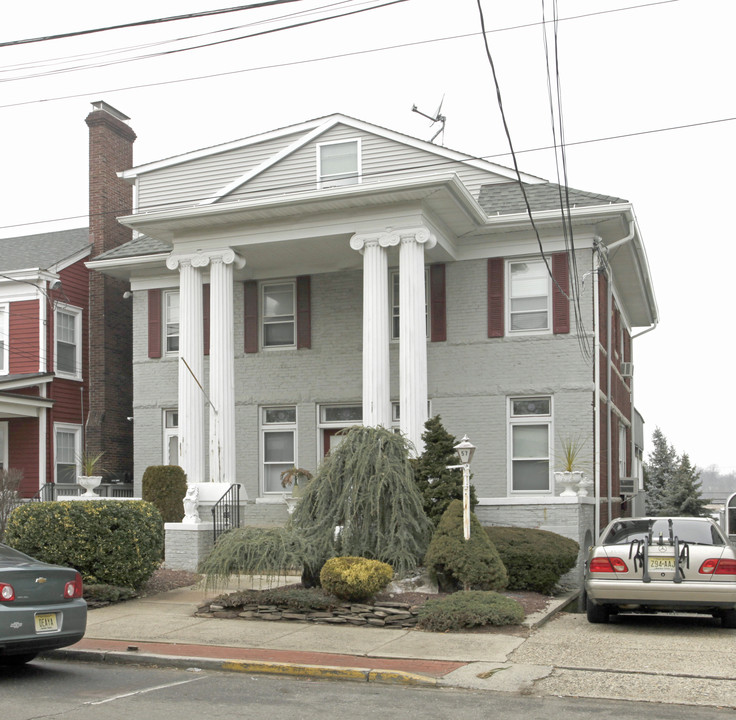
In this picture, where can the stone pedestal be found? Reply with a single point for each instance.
(187, 544)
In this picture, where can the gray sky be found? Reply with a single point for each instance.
(642, 67)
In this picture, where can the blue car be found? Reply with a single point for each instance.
(41, 607)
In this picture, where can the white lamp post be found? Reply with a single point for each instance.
(465, 450)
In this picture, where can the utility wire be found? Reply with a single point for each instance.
(140, 23)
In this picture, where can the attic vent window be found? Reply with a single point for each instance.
(338, 163)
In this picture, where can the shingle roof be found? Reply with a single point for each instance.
(41, 251)
(507, 199)
(142, 245)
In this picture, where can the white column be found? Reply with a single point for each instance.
(376, 379)
(191, 354)
(222, 369)
(413, 333)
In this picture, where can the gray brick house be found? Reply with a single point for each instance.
(290, 284)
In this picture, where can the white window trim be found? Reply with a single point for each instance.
(4, 459)
(507, 299)
(324, 181)
(262, 320)
(5, 338)
(168, 433)
(265, 428)
(77, 312)
(165, 322)
(391, 305)
(77, 431)
(514, 420)
(622, 450)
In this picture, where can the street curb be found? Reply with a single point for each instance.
(559, 604)
(313, 672)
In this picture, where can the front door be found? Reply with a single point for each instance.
(331, 439)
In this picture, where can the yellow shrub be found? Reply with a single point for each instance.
(355, 578)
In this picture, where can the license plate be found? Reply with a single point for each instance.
(46, 622)
(661, 563)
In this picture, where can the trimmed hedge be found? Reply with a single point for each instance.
(355, 578)
(473, 608)
(459, 563)
(112, 542)
(165, 486)
(535, 559)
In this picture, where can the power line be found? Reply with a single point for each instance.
(140, 23)
(324, 58)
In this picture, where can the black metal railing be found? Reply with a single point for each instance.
(226, 511)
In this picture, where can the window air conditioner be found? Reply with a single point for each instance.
(628, 485)
(627, 369)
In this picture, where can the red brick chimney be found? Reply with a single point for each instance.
(110, 315)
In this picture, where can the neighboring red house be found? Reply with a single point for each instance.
(44, 355)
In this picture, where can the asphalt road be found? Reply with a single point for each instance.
(59, 689)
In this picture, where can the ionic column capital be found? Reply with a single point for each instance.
(361, 241)
(226, 256)
(391, 237)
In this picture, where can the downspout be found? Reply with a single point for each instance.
(609, 370)
(596, 400)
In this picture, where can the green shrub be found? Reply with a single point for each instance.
(295, 599)
(273, 552)
(456, 562)
(115, 542)
(165, 486)
(355, 578)
(469, 609)
(96, 593)
(534, 559)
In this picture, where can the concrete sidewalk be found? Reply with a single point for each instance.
(163, 630)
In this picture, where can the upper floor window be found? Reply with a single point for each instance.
(279, 314)
(529, 290)
(395, 305)
(68, 347)
(171, 321)
(530, 421)
(4, 338)
(338, 163)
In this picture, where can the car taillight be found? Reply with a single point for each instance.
(604, 564)
(73, 589)
(716, 566)
(6, 592)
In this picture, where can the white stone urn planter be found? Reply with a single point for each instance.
(568, 481)
(89, 483)
(291, 502)
(584, 486)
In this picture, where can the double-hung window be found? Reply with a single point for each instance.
(278, 445)
(171, 321)
(338, 163)
(67, 449)
(68, 345)
(171, 437)
(529, 288)
(4, 337)
(396, 307)
(530, 422)
(279, 314)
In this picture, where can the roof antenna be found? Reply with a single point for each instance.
(436, 118)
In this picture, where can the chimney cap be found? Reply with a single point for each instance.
(105, 107)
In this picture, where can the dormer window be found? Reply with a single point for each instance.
(338, 163)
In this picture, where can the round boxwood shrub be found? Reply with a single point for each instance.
(469, 609)
(114, 542)
(354, 578)
(165, 486)
(459, 563)
(535, 559)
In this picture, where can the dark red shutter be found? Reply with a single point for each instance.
(437, 303)
(251, 316)
(496, 313)
(560, 303)
(303, 312)
(206, 317)
(154, 323)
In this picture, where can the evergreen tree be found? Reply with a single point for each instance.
(438, 485)
(658, 474)
(683, 493)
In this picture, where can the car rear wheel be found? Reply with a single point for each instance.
(17, 659)
(596, 613)
(728, 619)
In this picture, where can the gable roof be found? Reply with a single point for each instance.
(42, 251)
(507, 198)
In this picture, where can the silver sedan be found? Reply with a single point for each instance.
(41, 607)
(661, 564)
